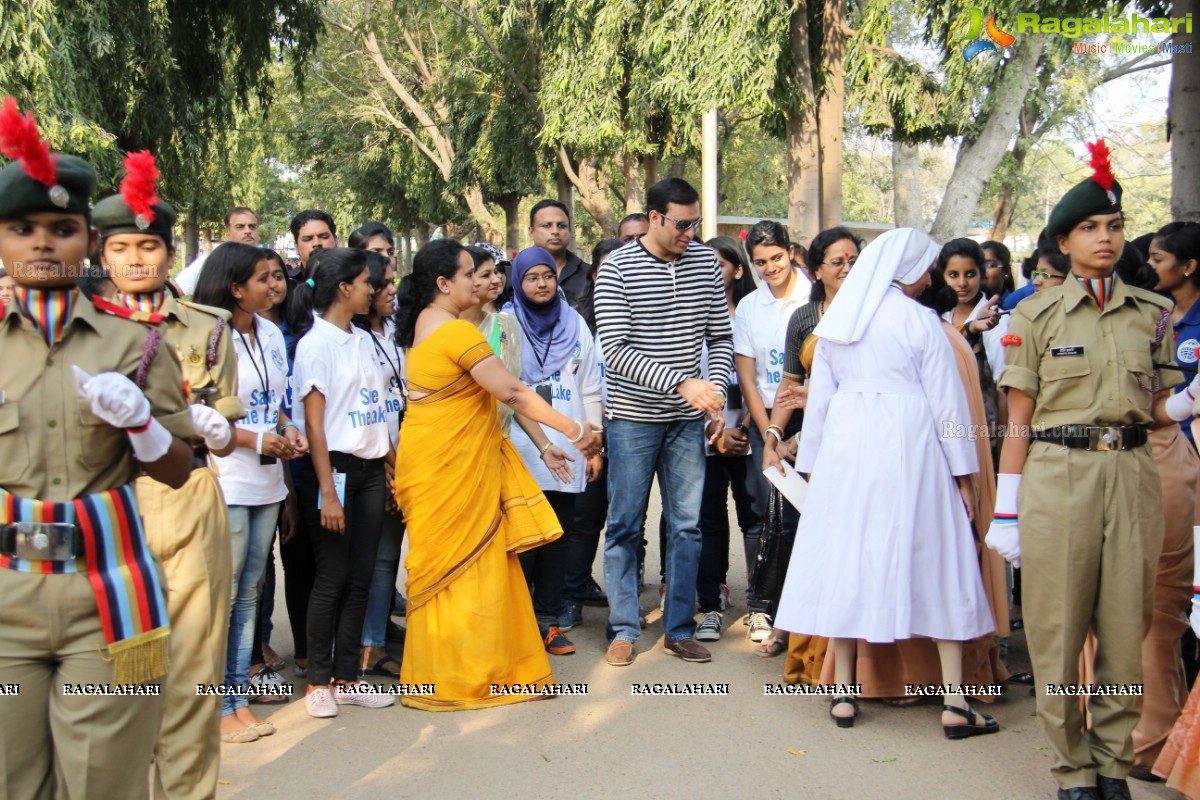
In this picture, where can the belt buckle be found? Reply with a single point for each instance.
(44, 541)
(1105, 439)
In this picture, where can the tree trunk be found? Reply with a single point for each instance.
(906, 186)
(511, 203)
(424, 232)
(1183, 121)
(978, 159)
(1007, 201)
(589, 183)
(481, 216)
(803, 147)
(650, 167)
(191, 233)
(634, 191)
(566, 192)
(678, 166)
(831, 112)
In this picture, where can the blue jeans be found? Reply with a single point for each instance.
(252, 530)
(638, 450)
(383, 582)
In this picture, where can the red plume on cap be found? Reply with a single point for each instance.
(19, 139)
(1100, 164)
(138, 186)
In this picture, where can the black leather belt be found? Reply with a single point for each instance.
(1095, 437)
(199, 457)
(58, 541)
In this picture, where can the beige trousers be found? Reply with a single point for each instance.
(1091, 532)
(55, 745)
(188, 529)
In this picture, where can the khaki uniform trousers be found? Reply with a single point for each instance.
(188, 529)
(53, 745)
(1091, 531)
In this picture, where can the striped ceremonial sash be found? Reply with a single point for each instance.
(130, 598)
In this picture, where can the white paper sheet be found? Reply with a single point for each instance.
(790, 484)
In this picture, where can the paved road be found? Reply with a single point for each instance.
(610, 744)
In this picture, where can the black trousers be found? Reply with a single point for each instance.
(299, 561)
(345, 566)
(583, 535)
(545, 567)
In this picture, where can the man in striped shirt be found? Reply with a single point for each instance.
(659, 300)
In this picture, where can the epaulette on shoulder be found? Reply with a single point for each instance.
(203, 309)
(144, 317)
(1147, 296)
(1039, 303)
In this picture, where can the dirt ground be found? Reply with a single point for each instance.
(610, 744)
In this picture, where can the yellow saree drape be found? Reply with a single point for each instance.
(470, 506)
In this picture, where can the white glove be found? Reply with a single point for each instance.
(1179, 405)
(1005, 534)
(119, 402)
(210, 424)
(114, 398)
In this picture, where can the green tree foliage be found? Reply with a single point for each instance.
(105, 76)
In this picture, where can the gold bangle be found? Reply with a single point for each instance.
(776, 431)
(545, 447)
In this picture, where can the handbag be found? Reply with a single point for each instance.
(774, 552)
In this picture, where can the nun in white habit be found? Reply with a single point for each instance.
(887, 439)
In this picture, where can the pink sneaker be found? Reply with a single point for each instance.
(361, 693)
(320, 703)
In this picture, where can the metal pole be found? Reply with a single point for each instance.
(708, 158)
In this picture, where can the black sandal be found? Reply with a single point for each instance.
(970, 729)
(843, 722)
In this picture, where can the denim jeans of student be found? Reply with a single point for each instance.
(723, 473)
(252, 530)
(759, 489)
(675, 452)
(383, 582)
(545, 566)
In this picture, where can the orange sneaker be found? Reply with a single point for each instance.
(557, 644)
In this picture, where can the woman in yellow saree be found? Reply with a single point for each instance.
(470, 504)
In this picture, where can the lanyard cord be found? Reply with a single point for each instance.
(395, 367)
(264, 377)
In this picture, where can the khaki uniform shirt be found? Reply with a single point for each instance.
(1084, 367)
(190, 328)
(52, 447)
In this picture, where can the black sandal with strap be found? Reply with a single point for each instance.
(970, 729)
(843, 722)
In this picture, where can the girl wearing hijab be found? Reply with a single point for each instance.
(558, 361)
(904, 565)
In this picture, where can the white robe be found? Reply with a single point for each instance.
(884, 550)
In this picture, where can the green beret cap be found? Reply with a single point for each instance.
(1080, 202)
(71, 194)
(111, 215)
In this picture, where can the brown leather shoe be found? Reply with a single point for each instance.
(689, 650)
(620, 653)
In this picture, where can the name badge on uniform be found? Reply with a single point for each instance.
(1070, 350)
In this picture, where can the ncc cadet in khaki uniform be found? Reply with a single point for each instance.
(82, 602)
(187, 528)
(1084, 386)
